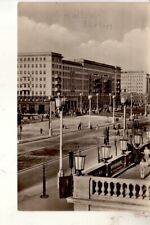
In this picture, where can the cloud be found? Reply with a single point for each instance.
(33, 36)
(130, 53)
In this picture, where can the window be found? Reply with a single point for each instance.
(20, 65)
(36, 65)
(25, 85)
(20, 59)
(40, 85)
(24, 59)
(36, 79)
(20, 85)
(40, 65)
(32, 79)
(44, 58)
(36, 59)
(44, 78)
(28, 65)
(44, 85)
(44, 72)
(33, 85)
(40, 92)
(24, 72)
(40, 78)
(32, 59)
(20, 72)
(33, 93)
(44, 92)
(36, 72)
(41, 58)
(28, 79)
(28, 59)
(40, 72)
(36, 85)
(32, 72)
(44, 65)
(32, 65)
(36, 93)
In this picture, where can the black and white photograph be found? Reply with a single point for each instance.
(83, 106)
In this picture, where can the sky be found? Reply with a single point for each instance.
(113, 33)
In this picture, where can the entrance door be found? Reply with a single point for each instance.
(41, 109)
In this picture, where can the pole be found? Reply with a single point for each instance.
(60, 173)
(131, 107)
(145, 105)
(80, 102)
(124, 120)
(50, 118)
(97, 103)
(89, 112)
(113, 109)
(44, 195)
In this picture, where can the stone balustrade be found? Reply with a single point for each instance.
(104, 193)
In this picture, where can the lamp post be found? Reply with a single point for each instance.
(89, 97)
(97, 109)
(79, 163)
(104, 153)
(113, 109)
(131, 107)
(59, 104)
(145, 105)
(123, 101)
(50, 117)
(81, 109)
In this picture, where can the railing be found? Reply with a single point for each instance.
(125, 189)
(112, 193)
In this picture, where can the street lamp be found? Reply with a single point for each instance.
(89, 97)
(79, 163)
(123, 145)
(131, 107)
(145, 105)
(113, 108)
(105, 152)
(81, 94)
(123, 101)
(50, 117)
(97, 109)
(59, 104)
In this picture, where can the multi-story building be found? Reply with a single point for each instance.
(36, 81)
(137, 83)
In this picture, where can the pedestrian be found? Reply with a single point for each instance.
(80, 126)
(41, 130)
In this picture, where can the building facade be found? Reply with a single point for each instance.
(137, 83)
(78, 78)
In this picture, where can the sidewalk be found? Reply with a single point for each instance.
(29, 199)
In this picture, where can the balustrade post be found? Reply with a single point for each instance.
(115, 189)
(96, 188)
(102, 188)
(121, 190)
(108, 189)
(134, 192)
(140, 192)
(127, 192)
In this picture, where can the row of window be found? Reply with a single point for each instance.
(33, 79)
(21, 59)
(32, 72)
(33, 85)
(31, 65)
(34, 93)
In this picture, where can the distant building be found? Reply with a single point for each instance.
(36, 81)
(137, 83)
